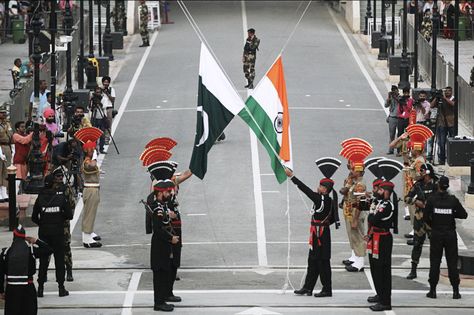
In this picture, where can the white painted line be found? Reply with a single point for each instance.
(257, 184)
(132, 288)
(461, 244)
(369, 278)
(267, 174)
(158, 109)
(262, 291)
(359, 63)
(123, 106)
(271, 191)
(196, 214)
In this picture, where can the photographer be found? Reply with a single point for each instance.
(405, 106)
(108, 102)
(69, 154)
(52, 126)
(392, 119)
(79, 121)
(98, 117)
(445, 121)
(422, 108)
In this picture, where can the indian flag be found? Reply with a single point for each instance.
(217, 105)
(266, 112)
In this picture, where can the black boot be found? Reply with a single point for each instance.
(62, 290)
(324, 293)
(412, 274)
(373, 299)
(40, 290)
(432, 293)
(250, 86)
(456, 294)
(303, 291)
(69, 277)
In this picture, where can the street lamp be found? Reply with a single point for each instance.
(91, 71)
(434, 45)
(53, 29)
(383, 54)
(415, 51)
(99, 26)
(392, 38)
(120, 17)
(68, 96)
(404, 65)
(80, 57)
(107, 35)
(36, 25)
(456, 73)
(368, 15)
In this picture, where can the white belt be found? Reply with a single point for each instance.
(91, 185)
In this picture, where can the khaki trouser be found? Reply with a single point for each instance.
(4, 164)
(91, 198)
(356, 236)
(412, 209)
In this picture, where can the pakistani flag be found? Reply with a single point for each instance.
(218, 103)
(266, 112)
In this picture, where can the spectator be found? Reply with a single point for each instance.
(57, 113)
(108, 103)
(445, 121)
(98, 117)
(428, 6)
(16, 72)
(79, 121)
(405, 106)
(447, 18)
(43, 100)
(26, 70)
(53, 127)
(426, 26)
(22, 149)
(392, 119)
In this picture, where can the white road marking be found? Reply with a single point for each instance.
(369, 278)
(461, 244)
(196, 214)
(123, 106)
(257, 311)
(267, 174)
(158, 108)
(270, 191)
(132, 288)
(362, 68)
(257, 184)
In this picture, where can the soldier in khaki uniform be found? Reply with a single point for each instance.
(249, 57)
(354, 191)
(6, 152)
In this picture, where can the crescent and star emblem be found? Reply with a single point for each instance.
(205, 124)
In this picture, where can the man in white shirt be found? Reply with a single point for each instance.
(422, 108)
(43, 100)
(108, 101)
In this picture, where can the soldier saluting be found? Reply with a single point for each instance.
(249, 57)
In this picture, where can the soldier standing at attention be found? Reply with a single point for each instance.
(143, 9)
(5, 152)
(249, 57)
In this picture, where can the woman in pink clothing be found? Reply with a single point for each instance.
(22, 149)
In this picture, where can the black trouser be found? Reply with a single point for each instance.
(162, 283)
(173, 273)
(448, 241)
(418, 242)
(381, 270)
(318, 268)
(21, 300)
(402, 124)
(56, 242)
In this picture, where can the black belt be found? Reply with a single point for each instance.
(379, 230)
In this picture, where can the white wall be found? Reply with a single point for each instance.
(352, 12)
(132, 16)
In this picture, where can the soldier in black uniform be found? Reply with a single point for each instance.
(324, 213)
(419, 193)
(380, 239)
(164, 237)
(440, 213)
(18, 265)
(49, 213)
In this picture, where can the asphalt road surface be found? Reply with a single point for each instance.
(233, 262)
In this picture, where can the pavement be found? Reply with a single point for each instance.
(227, 267)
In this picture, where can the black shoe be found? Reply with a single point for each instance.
(144, 45)
(303, 291)
(69, 277)
(431, 294)
(373, 299)
(63, 291)
(456, 294)
(441, 162)
(173, 298)
(354, 269)
(408, 235)
(250, 86)
(380, 308)
(347, 262)
(92, 245)
(102, 152)
(412, 275)
(177, 279)
(5, 200)
(97, 238)
(407, 218)
(389, 152)
(323, 294)
(411, 242)
(221, 137)
(164, 307)
(247, 86)
(39, 293)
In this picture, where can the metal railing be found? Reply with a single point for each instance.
(19, 105)
(444, 76)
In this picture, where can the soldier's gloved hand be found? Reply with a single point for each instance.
(175, 240)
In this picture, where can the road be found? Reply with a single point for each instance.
(227, 267)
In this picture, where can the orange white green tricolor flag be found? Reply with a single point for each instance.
(266, 112)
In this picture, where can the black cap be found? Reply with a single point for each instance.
(251, 30)
(394, 88)
(443, 182)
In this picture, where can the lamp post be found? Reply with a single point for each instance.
(68, 95)
(392, 48)
(36, 27)
(80, 57)
(374, 24)
(383, 55)
(99, 26)
(91, 71)
(434, 44)
(415, 39)
(53, 29)
(107, 35)
(456, 73)
(368, 15)
(404, 65)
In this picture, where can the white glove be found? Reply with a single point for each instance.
(2, 156)
(94, 155)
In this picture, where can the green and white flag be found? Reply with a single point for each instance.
(218, 103)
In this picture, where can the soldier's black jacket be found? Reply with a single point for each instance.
(50, 211)
(17, 262)
(441, 210)
(382, 216)
(420, 191)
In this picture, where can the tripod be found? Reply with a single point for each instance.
(99, 110)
